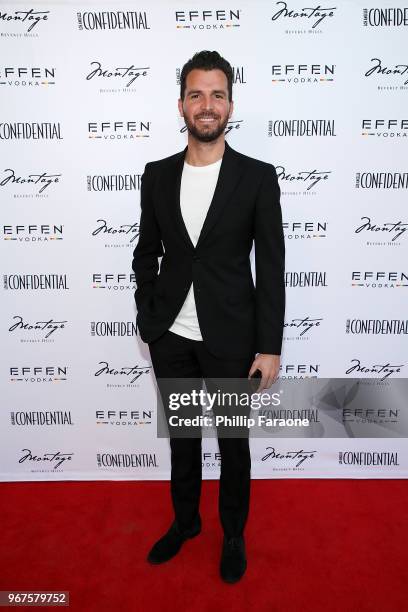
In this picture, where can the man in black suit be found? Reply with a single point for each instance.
(201, 315)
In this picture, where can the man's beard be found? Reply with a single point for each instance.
(206, 135)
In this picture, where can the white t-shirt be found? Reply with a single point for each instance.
(196, 192)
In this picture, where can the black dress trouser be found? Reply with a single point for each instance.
(174, 356)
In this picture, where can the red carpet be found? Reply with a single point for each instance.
(330, 545)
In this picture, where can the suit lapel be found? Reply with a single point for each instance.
(228, 178)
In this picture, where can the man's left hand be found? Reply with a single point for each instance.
(268, 365)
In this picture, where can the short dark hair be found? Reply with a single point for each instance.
(206, 60)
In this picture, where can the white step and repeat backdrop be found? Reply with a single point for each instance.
(89, 95)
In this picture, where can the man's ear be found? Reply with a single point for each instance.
(180, 107)
(231, 108)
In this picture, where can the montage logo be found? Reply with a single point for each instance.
(385, 17)
(116, 236)
(27, 76)
(391, 78)
(308, 20)
(125, 376)
(378, 370)
(43, 233)
(118, 130)
(124, 418)
(302, 182)
(385, 128)
(303, 74)
(29, 186)
(378, 279)
(39, 374)
(114, 282)
(300, 329)
(304, 230)
(321, 128)
(385, 233)
(377, 326)
(208, 19)
(36, 331)
(48, 461)
(22, 22)
(110, 78)
(290, 460)
(113, 182)
(112, 20)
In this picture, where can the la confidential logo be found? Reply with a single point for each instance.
(113, 182)
(381, 180)
(113, 329)
(305, 279)
(208, 19)
(302, 181)
(377, 326)
(368, 458)
(27, 20)
(127, 460)
(112, 20)
(13, 76)
(30, 131)
(118, 130)
(385, 17)
(37, 183)
(301, 127)
(35, 282)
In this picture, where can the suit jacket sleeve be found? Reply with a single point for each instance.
(269, 266)
(149, 247)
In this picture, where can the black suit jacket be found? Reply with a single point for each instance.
(235, 317)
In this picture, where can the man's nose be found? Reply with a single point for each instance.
(207, 102)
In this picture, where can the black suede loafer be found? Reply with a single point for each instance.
(233, 559)
(169, 545)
